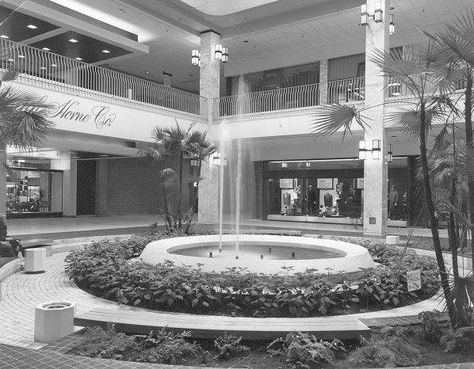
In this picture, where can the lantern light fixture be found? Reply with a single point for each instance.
(284, 164)
(391, 27)
(194, 162)
(218, 161)
(225, 54)
(365, 149)
(390, 154)
(365, 14)
(195, 57)
(218, 52)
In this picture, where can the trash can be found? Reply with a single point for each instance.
(35, 260)
(54, 320)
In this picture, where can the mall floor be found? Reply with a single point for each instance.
(85, 226)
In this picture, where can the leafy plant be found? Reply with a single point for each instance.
(162, 347)
(228, 346)
(389, 352)
(431, 325)
(304, 349)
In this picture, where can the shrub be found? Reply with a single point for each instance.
(162, 347)
(3, 228)
(389, 352)
(431, 325)
(105, 269)
(304, 349)
(228, 346)
(6, 250)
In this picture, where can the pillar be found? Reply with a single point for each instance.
(101, 188)
(68, 166)
(3, 182)
(323, 82)
(167, 79)
(375, 171)
(209, 87)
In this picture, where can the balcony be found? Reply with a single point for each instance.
(47, 70)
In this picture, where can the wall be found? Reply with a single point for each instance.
(134, 186)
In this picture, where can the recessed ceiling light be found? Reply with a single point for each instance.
(10, 60)
(4, 36)
(106, 51)
(21, 56)
(245, 41)
(43, 68)
(46, 49)
(73, 40)
(54, 65)
(78, 58)
(31, 26)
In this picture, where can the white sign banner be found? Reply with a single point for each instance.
(414, 280)
(325, 184)
(286, 182)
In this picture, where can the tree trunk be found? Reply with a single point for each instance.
(432, 216)
(469, 144)
(180, 188)
(169, 224)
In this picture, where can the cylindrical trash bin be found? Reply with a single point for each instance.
(54, 320)
(35, 260)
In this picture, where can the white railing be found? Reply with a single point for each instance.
(346, 90)
(266, 101)
(70, 72)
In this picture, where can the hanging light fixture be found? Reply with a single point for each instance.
(217, 159)
(225, 54)
(194, 162)
(391, 27)
(308, 164)
(195, 57)
(378, 12)
(364, 15)
(284, 164)
(390, 154)
(218, 52)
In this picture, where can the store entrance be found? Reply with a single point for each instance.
(86, 176)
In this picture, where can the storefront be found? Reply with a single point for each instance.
(331, 191)
(34, 192)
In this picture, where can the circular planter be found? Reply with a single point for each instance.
(54, 320)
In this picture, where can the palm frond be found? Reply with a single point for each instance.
(330, 119)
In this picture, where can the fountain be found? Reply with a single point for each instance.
(257, 253)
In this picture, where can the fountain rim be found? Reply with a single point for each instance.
(354, 257)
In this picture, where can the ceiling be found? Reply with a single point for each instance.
(261, 34)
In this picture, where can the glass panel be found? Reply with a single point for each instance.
(34, 191)
(285, 196)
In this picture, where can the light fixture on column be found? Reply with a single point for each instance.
(391, 27)
(390, 154)
(216, 160)
(365, 149)
(218, 52)
(376, 149)
(195, 57)
(225, 54)
(194, 162)
(362, 150)
(377, 15)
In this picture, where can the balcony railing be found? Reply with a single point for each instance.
(346, 90)
(62, 72)
(266, 101)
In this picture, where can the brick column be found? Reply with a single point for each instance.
(101, 188)
(375, 171)
(209, 87)
(323, 82)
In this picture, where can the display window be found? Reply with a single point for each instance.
(34, 192)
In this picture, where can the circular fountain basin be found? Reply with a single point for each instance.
(260, 254)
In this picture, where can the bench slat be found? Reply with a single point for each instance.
(142, 321)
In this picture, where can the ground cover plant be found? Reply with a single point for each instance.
(108, 269)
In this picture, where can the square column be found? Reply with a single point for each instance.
(69, 168)
(101, 188)
(3, 181)
(209, 87)
(375, 171)
(323, 82)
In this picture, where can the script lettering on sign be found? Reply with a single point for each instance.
(100, 115)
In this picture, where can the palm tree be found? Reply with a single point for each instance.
(429, 103)
(175, 142)
(456, 46)
(23, 117)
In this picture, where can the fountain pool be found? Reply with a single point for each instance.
(260, 253)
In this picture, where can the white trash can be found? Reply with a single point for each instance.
(35, 260)
(54, 320)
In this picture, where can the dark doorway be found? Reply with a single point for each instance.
(86, 187)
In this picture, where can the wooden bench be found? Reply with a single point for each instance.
(36, 243)
(134, 320)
